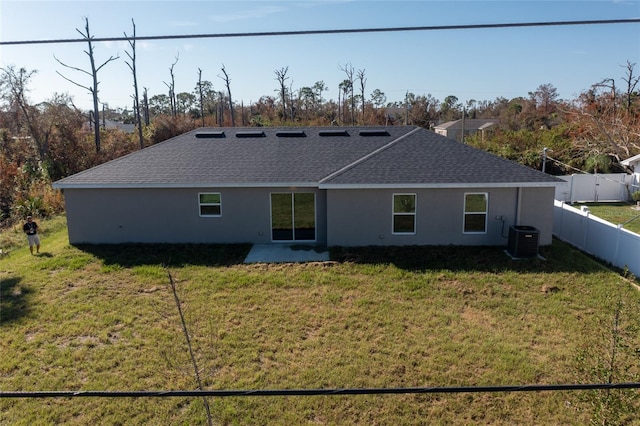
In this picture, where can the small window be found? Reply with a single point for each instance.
(210, 204)
(404, 213)
(250, 134)
(476, 207)
(373, 133)
(291, 134)
(209, 135)
(325, 133)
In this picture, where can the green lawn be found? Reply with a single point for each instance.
(617, 213)
(104, 318)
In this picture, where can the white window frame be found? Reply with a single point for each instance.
(201, 204)
(485, 213)
(394, 213)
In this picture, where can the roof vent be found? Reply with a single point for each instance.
(333, 133)
(209, 135)
(251, 134)
(374, 133)
(291, 134)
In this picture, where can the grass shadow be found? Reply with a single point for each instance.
(558, 257)
(173, 255)
(13, 300)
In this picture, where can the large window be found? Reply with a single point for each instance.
(476, 208)
(404, 213)
(210, 204)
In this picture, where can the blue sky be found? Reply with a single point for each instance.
(479, 64)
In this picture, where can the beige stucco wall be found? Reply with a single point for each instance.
(344, 217)
(364, 217)
(172, 215)
(537, 210)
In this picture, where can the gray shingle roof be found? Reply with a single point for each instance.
(405, 155)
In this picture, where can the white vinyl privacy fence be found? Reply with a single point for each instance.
(593, 188)
(600, 238)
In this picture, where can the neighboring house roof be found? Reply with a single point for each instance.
(469, 123)
(324, 157)
(125, 127)
(631, 162)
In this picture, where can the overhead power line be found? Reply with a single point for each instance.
(336, 31)
(317, 392)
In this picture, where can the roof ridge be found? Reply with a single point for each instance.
(366, 157)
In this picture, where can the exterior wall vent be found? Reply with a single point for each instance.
(291, 134)
(374, 133)
(333, 133)
(209, 135)
(250, 134)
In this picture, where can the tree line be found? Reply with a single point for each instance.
(40, 143)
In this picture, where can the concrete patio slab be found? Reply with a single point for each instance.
(286, 253)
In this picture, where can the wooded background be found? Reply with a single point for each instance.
(43, 142)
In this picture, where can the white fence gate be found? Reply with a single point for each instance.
(593, 188)
(600, 238)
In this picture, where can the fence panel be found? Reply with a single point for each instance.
(594, 188)
(597, 237)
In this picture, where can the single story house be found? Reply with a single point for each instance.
(458, 129)
(333, 186)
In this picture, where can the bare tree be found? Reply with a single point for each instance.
(201, 95)
(281, 77)
(13, 86)
(220, 108)
(603, 132)
(631, 84)
(611, 84)
(93, 89)
(145, 101)
(349, 71)
(345, 87)
(292, 103)
(132, 67)
(363, 83)
(172, 87)
(227, 82)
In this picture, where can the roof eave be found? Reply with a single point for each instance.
(425, 185)
(440, 185)
(59, 185)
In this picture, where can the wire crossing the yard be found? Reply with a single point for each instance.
(319, 392)
(334, 31)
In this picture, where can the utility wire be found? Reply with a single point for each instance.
(585, 172)
(336, 31)
(318, 392)
(191, 355)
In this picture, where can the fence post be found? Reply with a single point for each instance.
(586, 231)
(615, 252)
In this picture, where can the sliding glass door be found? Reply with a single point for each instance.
(293, 216)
